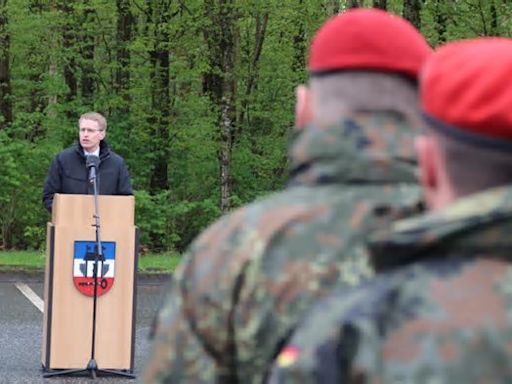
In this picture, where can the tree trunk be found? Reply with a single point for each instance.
(353, 4)
(261, 21)
(87, 53)
(5, 73)
(222, 40)
(52, 66)
(125, 22)
(332, 7)
(38, 64)
(159, 57)
(412, 12)
(68, 44)
(494, 20)
(440, 21)
(300, 45)
(382, 4)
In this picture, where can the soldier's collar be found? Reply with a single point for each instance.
(471, 225)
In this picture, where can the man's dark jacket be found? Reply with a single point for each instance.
(68, 174)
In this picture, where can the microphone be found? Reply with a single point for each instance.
(91, 162)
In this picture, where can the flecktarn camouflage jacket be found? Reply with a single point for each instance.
(439, 310)
(247, 279)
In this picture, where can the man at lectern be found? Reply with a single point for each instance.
(68, 172)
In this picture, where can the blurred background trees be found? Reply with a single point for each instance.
(199, 96)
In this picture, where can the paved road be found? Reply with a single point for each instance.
(21, 331)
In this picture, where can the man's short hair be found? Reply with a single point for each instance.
(359, 90)
(473, 168)
(95, 116)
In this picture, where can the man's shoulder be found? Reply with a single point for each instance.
(242, 235)
(113, 153)
(405, 290)
(71, 150)
(297, 213)
(401, 291)
(298, 199)
(401, 310)
(68, 154)
(264, 216)
(244, 219)
(107, 153)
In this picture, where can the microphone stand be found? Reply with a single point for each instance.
(92, 365)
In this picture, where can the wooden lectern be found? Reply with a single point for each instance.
(68, 313)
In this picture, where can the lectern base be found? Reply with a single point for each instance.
(91, 370)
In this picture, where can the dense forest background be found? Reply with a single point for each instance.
(199, 96)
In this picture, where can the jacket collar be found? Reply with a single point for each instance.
(477, 224)
(364, 147)
(104, 150)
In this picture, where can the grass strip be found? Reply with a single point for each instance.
(35, 260)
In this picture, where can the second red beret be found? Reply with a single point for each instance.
(467, 85)
(366, 38)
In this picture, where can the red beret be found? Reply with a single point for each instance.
(466, 86)
(365, 38)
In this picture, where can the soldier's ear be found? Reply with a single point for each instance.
(303, 109)
(428, 176)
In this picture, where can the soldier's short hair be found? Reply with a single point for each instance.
(473, 168)
(95, 116)
(358, 90)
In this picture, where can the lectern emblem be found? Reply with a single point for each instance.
(84, 261)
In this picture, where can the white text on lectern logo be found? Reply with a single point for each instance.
(93, 267)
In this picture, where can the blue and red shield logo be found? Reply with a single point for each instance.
(84, 260)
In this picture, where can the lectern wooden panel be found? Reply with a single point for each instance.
(68, 312)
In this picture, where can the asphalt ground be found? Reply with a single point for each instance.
(21, 324)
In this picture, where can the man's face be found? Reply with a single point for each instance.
(90, 135)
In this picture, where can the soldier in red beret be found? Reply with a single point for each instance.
(248, 279)
(439, 310)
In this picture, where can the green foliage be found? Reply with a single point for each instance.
(22, 260)
(167, 224)
(159, 263)
(147, 68)
(22, 222)
(35, 260)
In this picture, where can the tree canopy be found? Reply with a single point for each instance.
(199, 96)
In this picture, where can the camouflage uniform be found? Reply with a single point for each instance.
(247, 279)
(440, 310)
